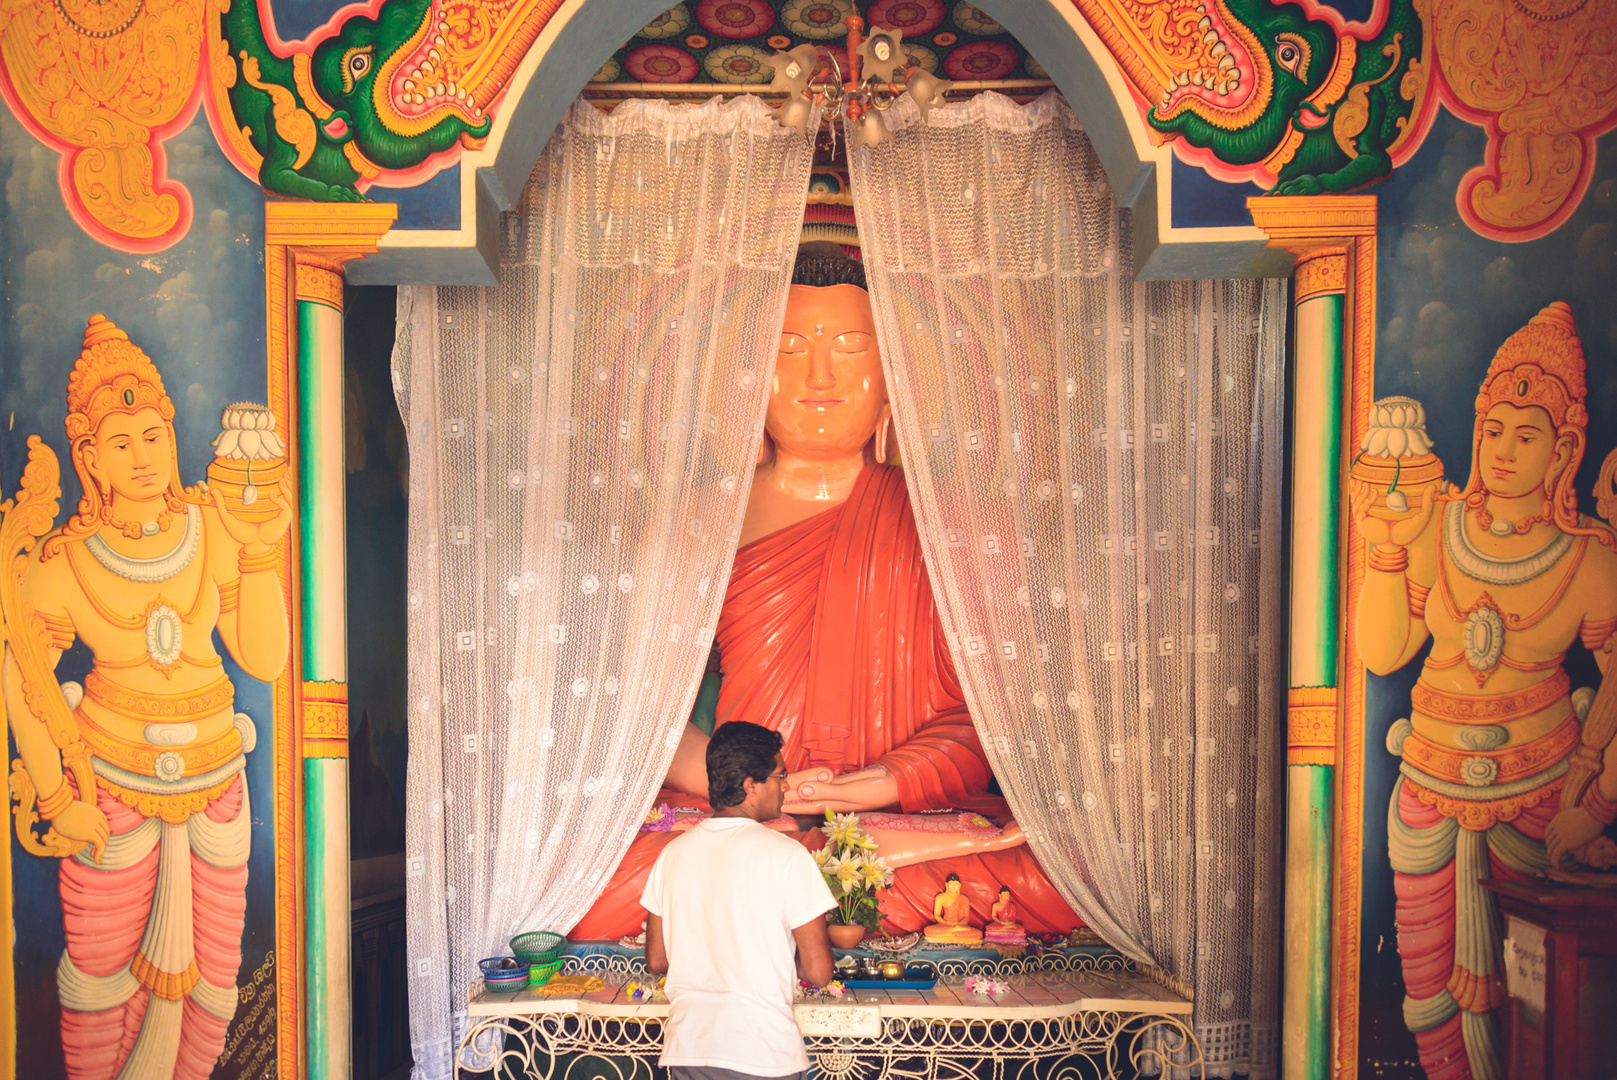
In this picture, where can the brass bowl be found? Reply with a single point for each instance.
(231, 476)
(1394, 478)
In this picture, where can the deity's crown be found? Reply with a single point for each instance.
(1541, 364)
(111, 375)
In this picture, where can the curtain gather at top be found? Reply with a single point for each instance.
(1095, 465)
(581, 442)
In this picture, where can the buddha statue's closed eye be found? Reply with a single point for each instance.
(829, 635)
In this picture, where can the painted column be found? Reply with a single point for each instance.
(306, 245)
(1319, 294)
(318, 290)
(1333, 318)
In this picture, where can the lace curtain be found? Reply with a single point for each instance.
(1095, 464)
(581, 443)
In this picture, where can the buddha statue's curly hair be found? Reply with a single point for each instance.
(821, 263)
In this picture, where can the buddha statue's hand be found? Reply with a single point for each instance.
(1382, 530)
(85, 823)
(796, 780)
(258, 536)
(1569, 832)
(867, 789)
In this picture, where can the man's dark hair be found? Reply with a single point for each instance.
(739, 750)
(821, 263)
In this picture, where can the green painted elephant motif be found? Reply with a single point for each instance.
(369, 98)
(1319, 110)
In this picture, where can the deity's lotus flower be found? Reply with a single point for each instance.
(1397, 429)
(248, 433)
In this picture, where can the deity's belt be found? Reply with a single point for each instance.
(148, 708)
(1489, 708)
(1486, 768)
(156, 760)
(1480, 788)
(169, 774)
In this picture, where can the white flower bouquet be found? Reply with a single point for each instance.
(853, 870)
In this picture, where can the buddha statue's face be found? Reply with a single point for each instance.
(132, 454)
(1517, 449)
(828, 394)
(953, 885)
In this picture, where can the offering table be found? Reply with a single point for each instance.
(1100, 1009)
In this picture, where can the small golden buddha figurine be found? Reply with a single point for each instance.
(952, 912)
(1003, 929)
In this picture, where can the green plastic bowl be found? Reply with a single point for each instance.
(538, 946)
(539, 974)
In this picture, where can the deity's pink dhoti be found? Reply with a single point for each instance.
(148, 981)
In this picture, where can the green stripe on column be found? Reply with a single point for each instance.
(326, 912)
(1316, 464)
(321, 480)
(1304, 1040)
(1316, 491)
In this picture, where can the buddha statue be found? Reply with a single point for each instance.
(829, 635)
(952, 912)
(1002, 928)
(1496, 778)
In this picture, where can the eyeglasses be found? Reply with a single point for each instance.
(779, 776)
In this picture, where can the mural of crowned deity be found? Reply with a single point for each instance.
(1506, 768)
(135, 780)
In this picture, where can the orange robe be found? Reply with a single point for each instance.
(829, 635)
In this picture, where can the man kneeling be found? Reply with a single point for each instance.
(726, 902)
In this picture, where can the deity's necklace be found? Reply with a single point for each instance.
(1502, 528)
(158, 568)
(144, 571)
(1491, 570)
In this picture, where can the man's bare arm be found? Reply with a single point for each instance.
(813, 951)
(656, 954)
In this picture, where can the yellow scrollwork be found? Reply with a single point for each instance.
(102, 83)
(1353, 115)
(1158, 41)
(1541, 76)
(293, 124)
(23, 520)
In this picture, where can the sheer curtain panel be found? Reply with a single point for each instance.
(581, 440)
(1095, 465)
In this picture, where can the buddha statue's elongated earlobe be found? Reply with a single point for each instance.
(766, 450)
(883, 426)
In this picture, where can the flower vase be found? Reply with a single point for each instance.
(846, 937)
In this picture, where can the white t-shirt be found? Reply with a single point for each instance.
(730, 892)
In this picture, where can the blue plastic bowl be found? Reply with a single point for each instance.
(499, 977)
